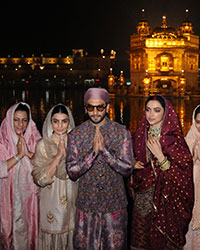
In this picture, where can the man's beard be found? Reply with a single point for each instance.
(97, 122)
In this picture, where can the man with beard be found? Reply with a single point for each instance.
(99, 155)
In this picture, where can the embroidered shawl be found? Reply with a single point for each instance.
(173, 196)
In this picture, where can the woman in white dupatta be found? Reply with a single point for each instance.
(193, 141)
(58, 193)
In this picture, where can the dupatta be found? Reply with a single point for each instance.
(47, 149)
(173, 188)
(190, 138)
(193, 133)
(18, 200)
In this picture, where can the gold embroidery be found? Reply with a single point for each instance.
(143, 202)
(154, 207)
(165, 196)
(50, 217)
(153, 168)
(63, 200)
(166, 236)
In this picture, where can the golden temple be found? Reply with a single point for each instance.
(164, 60)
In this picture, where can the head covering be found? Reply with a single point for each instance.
(174, 183)
(40, 160)
(47, 129)
(97, 93)
(193, 133)
(8, 137)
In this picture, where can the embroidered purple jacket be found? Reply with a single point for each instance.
(101, 184)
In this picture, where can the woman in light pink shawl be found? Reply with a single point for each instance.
(193, 141)
(18, 199)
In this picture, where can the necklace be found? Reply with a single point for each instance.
(154, 131)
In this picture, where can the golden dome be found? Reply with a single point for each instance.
(164, 31)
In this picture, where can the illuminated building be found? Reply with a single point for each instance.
(164, 60)
(78, 68)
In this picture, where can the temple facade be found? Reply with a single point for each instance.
(164, 60)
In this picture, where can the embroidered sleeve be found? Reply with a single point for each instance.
(124, 162)
(76, 163)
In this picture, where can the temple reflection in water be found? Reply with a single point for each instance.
(125, 110)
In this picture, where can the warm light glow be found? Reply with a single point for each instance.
(163, 43)
(41, 67)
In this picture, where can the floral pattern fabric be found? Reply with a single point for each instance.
(100, 231)
(101, 183)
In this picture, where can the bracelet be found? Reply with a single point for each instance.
(165, 164)
(162, 162)
(16, 158)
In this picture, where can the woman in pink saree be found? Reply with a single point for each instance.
(162, 180)
(18, 198)
(193, 141)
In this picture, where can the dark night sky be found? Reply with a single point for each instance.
(91, 25)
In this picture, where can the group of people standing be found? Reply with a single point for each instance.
(68, 189)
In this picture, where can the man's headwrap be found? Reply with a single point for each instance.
(97, 93)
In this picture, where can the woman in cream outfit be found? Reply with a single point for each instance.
(57, 193)
(193, 141)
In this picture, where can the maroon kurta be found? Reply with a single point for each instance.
(164, 223)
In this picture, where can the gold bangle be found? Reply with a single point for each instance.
(162, 162)
(164, 165)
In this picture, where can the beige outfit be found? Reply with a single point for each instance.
(57, 195)
(193, 235)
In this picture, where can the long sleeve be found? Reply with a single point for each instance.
(76, 163)
(3, 162)
(4, 169)
(122, 163)
(39, 173)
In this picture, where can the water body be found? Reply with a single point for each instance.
(125, 110)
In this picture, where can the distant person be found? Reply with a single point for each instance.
(57, 192)
(99, 155)
(193, 141)
(18, 193)
(162, 180)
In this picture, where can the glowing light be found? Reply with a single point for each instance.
(41, 67)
